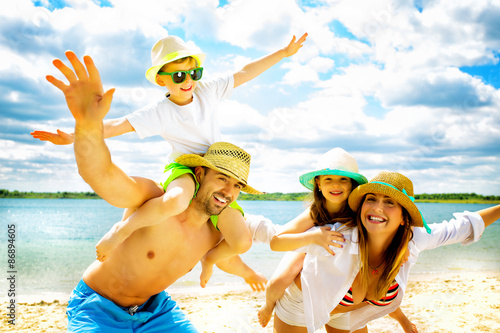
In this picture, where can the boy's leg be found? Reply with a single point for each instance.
(288, 269)
(237, 240)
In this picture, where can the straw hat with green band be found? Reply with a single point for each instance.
(225, 158)
(169, 49)
(336, 162)
(396, 186)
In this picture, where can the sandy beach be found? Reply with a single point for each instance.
(451, 302)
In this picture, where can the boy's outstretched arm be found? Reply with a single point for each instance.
(58, 138)
(89, 104)
(112, 127)
(259, 66)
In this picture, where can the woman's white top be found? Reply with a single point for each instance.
(326, 278)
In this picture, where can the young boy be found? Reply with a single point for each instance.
(187, 119)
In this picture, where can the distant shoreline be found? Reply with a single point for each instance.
(469, 198)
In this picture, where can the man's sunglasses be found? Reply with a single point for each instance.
(180, 76)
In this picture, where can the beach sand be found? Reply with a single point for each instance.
(451, 302)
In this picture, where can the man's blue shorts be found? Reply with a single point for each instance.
(90, 312)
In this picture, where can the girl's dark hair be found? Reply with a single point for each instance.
(320, 215)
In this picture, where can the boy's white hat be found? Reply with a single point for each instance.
(169, 49)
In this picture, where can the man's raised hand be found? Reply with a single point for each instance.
(84, 95)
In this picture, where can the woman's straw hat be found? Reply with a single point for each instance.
(336, 162)
(169, 49)
(225, 158)
(394, 185)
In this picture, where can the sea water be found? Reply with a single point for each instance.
(55, 242)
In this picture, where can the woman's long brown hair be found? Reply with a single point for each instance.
(393, 255)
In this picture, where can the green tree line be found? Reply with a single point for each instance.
(456, 197)
(276, 196)
(47, 195)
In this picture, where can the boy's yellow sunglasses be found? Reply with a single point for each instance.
(180, 76)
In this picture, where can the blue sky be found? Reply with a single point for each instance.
(407, 86)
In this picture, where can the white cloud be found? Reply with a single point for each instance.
(259, 24)
(307, 73)
(434, 122)
(437, 87)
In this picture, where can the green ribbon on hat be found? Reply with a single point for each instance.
(412, 200)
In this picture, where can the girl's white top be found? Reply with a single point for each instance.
(326, 278)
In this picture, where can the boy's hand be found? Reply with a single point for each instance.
(84, 94)
(294, 46)
(59, 138)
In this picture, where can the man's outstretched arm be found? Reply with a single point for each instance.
(89, 104)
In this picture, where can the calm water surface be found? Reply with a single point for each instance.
(55, 242)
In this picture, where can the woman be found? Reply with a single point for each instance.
(366, 279)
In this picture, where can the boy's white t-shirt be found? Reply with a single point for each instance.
(191, 128)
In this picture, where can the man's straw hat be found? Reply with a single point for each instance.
(394, 185)
(225, 158)
(169, 49)
(336, 162)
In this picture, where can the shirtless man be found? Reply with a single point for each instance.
(125, 293)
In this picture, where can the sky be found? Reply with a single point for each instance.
(406, 86)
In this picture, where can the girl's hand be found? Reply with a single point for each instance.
(325, 237)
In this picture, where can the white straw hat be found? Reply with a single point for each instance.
(169, 49)
(396, 186)
(336, 162)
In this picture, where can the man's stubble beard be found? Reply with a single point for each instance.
(209, 209)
